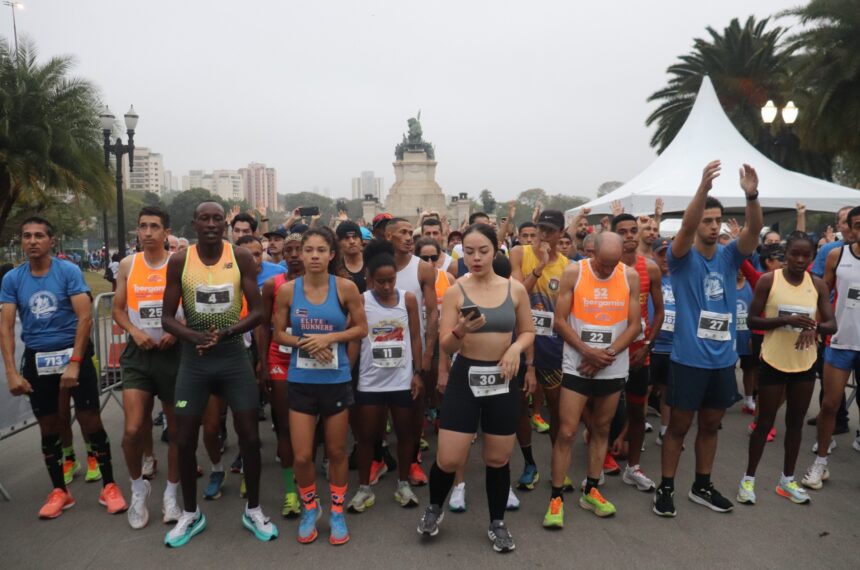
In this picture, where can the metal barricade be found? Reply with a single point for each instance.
(109, 341)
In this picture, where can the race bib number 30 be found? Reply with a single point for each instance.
(487, 381)
(150, 314)
(543, 321)
(387, 354)
(306, 361)
(714, 326)
(213, 299)
(48, 363)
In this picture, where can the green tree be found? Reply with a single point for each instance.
(50, 138)
(182, 208)
(532, 196)
(488, 202)
(608, 187)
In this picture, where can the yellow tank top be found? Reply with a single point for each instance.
(545, 291)
(785, 299)
(212, 294)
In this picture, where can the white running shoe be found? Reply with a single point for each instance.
(149, 466)
(856, 443)
(170, 509)
(648, 427)
(362, 500)
(457, 502)
(815, 476)
(830, 447)
(513, 501)
(259, 524)
(404, 495)
(746, 492)
(138, 514)
(637, 478)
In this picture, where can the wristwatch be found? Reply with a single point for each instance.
(752, 197)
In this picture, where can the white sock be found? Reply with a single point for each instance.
(632, 467)
(663, 430)
(749, 402)
(821, 460)
(785, 479)
(218, 468)
(460, 485)
(192, 515)
(170, 489)
(748, 478)
(255, 510)
(138, 486)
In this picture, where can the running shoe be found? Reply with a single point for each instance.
(830, 447)
(170, 509)
(430, 520)
(416, 475)
(70, 469)
(111, 498)
(457, 502)
(308, 524)
(362, 500)
(792, 491)
(529, 478)
(748, 410)
(513, 501)
(815, 476)
(664, 502)
(539, 424)
(93, 472)
(149, 467)
(338, 533)
(567, 486)
(659, 439)
(243, 491)
(500, 537)
(58, 501)
(259, 524)
(186, 528)
(404, 495)
(635, 477)
(291, 506)
(648, 428)
(213, 489)
(158, 420)
(423, 444)
(595, 502)
(554, 517)
(138, 514)
(610, 466)
(711, 498)
(856, 443)
(746, 492)
(236, 466)
(377, 470)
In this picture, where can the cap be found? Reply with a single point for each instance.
(279, 231)
(551, 218)
(456, 233)
(366, 235)
(347, 227)
(378, 218)
(660, 244)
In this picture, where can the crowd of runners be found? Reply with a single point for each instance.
(471, 333)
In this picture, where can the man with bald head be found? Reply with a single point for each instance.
(172, 243)
(597, 316)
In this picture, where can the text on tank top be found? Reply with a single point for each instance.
(145, 295)
(386, 352)
(786, 299)
(212, 294)
(309, 318)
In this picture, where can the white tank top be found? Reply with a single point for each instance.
(847, 335)
(386, 351)
(407, 280)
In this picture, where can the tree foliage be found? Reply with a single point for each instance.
(608, 187)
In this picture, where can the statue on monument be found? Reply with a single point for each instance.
(415, 142)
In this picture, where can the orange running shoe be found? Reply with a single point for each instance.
(377, 470)
(416, 475)
(610, 466)
(111, 497)
(58, 501)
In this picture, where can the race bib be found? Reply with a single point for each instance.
(789, 310)
(596, 337)
(213, 299)
(150, 314)
(286, 349)
(668, 322)
(742, 321)
(487, 381)
(48, 363)
(387, 353)
(306, 361)
(714, 326)
(543, 321)
(852, 297)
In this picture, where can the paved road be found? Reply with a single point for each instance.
(772, 534)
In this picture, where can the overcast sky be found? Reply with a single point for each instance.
(513, 94)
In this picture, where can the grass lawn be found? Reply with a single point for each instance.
(98, 284)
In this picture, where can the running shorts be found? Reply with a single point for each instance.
(45, 397)
(223, 371)
(152, 371)
(463, 412)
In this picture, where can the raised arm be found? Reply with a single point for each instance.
(754, 217)
(801, 217)
(695, 210)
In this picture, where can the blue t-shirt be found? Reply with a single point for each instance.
(745, 296)
(268, 271)
(48, 321)
(702, 284)
(663, 342)
(821, 257)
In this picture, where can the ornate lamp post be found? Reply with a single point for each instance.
(779, 147)
(118, 149)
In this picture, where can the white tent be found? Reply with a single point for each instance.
(708, 135)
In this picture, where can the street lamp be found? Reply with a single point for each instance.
(14, 6)
(118, 149)
(779, 148)
(769, 112)
(789, 113)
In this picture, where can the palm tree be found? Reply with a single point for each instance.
(50, 139)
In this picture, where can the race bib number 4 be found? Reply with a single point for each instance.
(714, 326)
(306, 361)
(543, 321)
(387, 354)
(852, 298)
(597, 337)
(487, 381)
(212, 299)
(49, 363)
(150, 314)
(668, 322)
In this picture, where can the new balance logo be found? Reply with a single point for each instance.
(181, 403)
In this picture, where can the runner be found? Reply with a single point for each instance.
(527, 233)
(242, 224)
(842, 275)
(659, 368)
(210, 279)
(55, 308)
(792, 307)
(597, 316)
(481, 389)
(539, 268)
(637, 387)
(349, 243)
(702, 377)
(389, 375)
(316, 306)
(432, 228)
(149, 362)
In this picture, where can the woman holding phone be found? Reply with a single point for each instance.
(479, 316)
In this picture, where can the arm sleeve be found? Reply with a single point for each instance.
(676, 263)
(750, 273)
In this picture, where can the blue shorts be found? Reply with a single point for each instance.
(693, 389)
(842, 358)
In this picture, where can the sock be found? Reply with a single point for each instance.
(338, 496)
(663, 430)
(170, 489)
(749, 402)
(591, 483)
(365, 488)
(748, 478)
(69, 453)
(377, 451)
(440, 484)
(52, 450)
(632, 468)
(308, 495)
(255, 510)
(219, 468)
(289, 480)
(498, 481)
(557, 493)
(100, 446)
(138, 486)
(821, 460)
(786, 478)
(703, 481)
(668, 483)
(527, 454)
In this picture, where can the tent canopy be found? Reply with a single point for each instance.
(708, 135)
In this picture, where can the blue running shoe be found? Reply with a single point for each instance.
(339, 533)
(259, 524)
(213, 489)
(529, 478)
(308, 524)
(187, 527)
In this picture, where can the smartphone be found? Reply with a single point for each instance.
(306, 211)
(470, 312)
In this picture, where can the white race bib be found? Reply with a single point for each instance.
(852, 298)
(48, 363)
(286, 349)
(789, 310)
(305, 360)
(543, 321)
(596, 337)
(213, 299)
(742, 321)
(150, 314)
(387, 353)
(487, 381)
(714, 326)
(668, 321)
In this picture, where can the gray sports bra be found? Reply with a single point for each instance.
(501, 319)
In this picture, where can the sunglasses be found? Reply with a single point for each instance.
(433, 258)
